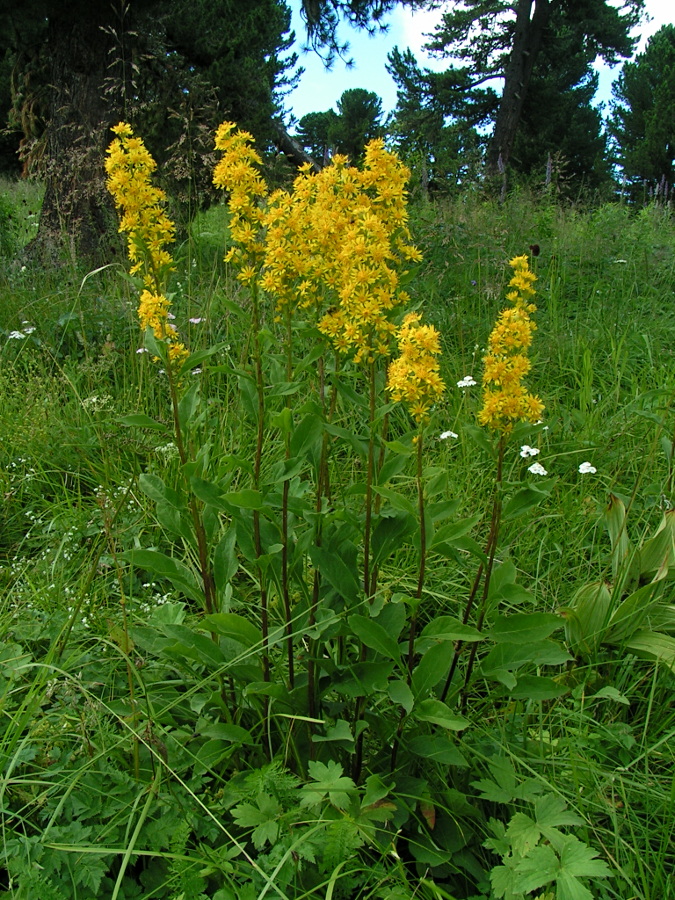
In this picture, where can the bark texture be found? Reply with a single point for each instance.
(77, 214)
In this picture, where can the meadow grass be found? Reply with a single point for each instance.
(126, 772)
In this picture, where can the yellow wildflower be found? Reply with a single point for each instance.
(414, 377)
(149, 231)
(505, 400)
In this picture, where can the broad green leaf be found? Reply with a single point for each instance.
(633, 612)
(139, 420)
(166, 567)
(334, 569)
(524, 628)
(653, 645)
(374, 636)
(537, 688)
(389, 535)
(340, 732)
(154, 488)
(527, 498)
(194, 645)
(211, 754)
(306, 436)
(454, 530)
(246, 499)
(615, 519)
(587, 616)
(447, 628)
(432, 667)
(225, 561)
(235, 627)
(198, 357)
(397, 500)
(437, 748)
(439, 713)
(223, 731)
(188, 405)
(401, 694)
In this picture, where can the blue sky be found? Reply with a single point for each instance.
(319, 90)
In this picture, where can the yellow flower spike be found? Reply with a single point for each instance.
(414, 377)
(149, 231)
(505, 399)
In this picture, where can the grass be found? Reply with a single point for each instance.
(125, 771)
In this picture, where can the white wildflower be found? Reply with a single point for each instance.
(537, 469)
(466, 382)
(587, 469)
(444, 435)
(526, 451)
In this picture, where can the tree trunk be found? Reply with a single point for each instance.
(526, 46)
(77, 213)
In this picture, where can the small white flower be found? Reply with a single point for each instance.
(16, 336)
(587, 469)
(197, 320)
(537, 469)
(444, 435)
(142, 350)
(170, 315)
(29, 330)
(466, 382)
(621, 261)
(196, 371)
(526, 451)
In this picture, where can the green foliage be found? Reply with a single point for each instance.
(144, 754)
(641, 123)
(358, 120)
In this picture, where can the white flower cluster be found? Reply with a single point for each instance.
(466, 382)
(587, 469)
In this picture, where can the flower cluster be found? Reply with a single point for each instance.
(149, 230)
(336, 240)
(505, 399)
(414, 377)
(238, 172)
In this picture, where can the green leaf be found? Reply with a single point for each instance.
(139, 420)
(335, 570)
(188, 405)
(401, 694)
(527, 498)
(390, 534)
(246, 499)
(374, 636)
(194, 359)
(235, 627)
(437, 748)
(653, 645)
(223, 731)
(193, 645)
(154, 488)
(537, 688)
(306, 436)
(447, 628)
(524, 628)
(432, 667)
(262, 818)
(166, 567)
(397, 500)
(225, 561)
(439, 713)
(329, 783)
(448, 534)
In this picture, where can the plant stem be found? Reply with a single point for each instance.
(257, 465)
(490, 549)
